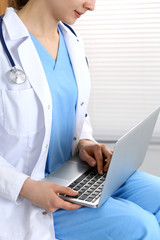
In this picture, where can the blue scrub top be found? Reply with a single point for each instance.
(64, 91)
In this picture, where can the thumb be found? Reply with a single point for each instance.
(87, 158)
(66, 190)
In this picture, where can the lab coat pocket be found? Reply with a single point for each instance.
(23, 113)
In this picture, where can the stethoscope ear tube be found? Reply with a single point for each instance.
(4, 44)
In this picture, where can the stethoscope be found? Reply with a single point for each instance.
(15, 75)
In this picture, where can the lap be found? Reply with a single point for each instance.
(118, 217)
(143, 189)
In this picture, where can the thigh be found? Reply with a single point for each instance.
(143, 189)
(114, 220)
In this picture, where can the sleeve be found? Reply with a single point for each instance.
(11, 181)
(87, 131)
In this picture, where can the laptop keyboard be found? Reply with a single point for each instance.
(89, 185)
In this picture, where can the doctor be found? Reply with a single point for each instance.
(44, 121)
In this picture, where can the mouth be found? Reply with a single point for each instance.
(78, 14)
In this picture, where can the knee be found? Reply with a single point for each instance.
(145, 226)
(151, 200)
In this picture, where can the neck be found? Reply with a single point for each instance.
(39, 21)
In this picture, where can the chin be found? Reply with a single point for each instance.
(69, 21)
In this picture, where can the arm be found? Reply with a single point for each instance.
(87, 131)
(15, 186)
(11, 181)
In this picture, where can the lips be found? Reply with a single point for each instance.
(78, 14)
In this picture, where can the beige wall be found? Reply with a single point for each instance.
(3, 5)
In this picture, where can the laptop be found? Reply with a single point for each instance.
(94, 189)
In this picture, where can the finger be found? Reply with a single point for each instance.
(65, 190)
(99, 158)
(68, 206)
(87, 158)
(107, 165)
(60, 203)
(108, 154)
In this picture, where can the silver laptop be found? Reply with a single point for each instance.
(95, 189)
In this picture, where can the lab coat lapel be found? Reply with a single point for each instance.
(82, 75)
(76, 53)
(33, 68)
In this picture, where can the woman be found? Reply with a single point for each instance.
(44, 121)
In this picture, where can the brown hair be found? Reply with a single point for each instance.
(18, 4)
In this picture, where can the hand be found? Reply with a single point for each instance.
(94, 154)
(45, 195)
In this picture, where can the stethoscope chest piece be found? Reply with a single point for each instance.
(17, 76)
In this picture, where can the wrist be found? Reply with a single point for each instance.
(83, 142)
(27, 188)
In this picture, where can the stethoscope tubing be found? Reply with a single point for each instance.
(16, 75)
(4, 44)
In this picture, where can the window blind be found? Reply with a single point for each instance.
(122, 41)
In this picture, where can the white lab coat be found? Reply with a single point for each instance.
(25, 126)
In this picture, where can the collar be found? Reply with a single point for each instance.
(15, 27)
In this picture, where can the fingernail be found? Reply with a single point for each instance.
(73, 191)
(92, 163)
(101, 171)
